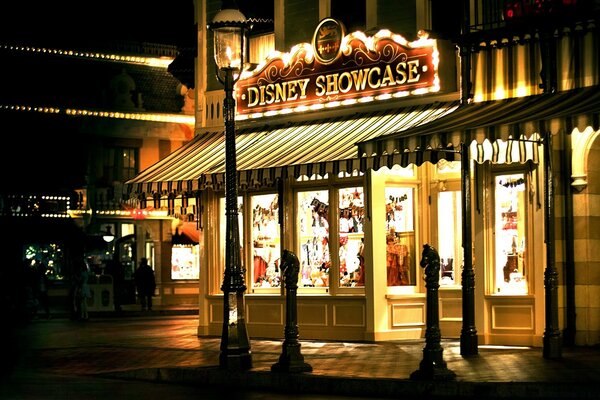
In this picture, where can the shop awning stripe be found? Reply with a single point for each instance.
(509, 120)
(263, 155)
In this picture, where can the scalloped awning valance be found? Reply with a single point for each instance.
(263, 155)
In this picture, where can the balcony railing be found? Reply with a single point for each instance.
(488, 15)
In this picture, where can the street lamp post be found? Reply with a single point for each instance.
(229, 26)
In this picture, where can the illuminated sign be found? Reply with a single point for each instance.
(339, 69)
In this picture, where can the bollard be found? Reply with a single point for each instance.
(433, 366)
(290, 359)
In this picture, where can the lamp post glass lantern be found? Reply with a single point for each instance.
(229, 26)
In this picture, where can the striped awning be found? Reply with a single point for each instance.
(497, 131)
(263, 155)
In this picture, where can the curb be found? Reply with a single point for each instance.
(306, 383)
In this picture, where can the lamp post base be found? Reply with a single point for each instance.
(433, 373)
(235, 344)
(552, 346)
(468, 344)
(235, 361)
(433, 367)
(291, 360)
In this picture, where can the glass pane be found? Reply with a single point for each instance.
(185, 262)
(222, 231)
(400, 236)
(449, 236)
(265, 241)
(313, 228)
(351, 214)
(47, 259)
(511, 268)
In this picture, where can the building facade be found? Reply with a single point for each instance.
(357, 147)
(88, 118)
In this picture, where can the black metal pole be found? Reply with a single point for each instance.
(552, 337)
(465, 55)
(291, 360)
(235, 344)
(468, 334)
(433, 365)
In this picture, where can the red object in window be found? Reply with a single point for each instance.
(138, 213)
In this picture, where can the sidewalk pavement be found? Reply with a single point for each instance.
(175, 354)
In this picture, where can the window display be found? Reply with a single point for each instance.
(49, 255)
(400, 236)
(185, 262)
(313, 225)
(351, 214)
(265, 241)
(510, 238)
(449, 236)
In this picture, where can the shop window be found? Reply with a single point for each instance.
(313, 234)
(47, 259)
(447, 209)
(223, 231)
(185, 262)
(266, 236)
(351, 215)
(126, 229)
(400, 236)
(449, 227)
(120, 164)
(511, 268)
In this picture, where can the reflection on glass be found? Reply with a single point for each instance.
(449, 236)
(400, 236)
(313, 207)
(351, 214)
(511, 268)
(265, 241)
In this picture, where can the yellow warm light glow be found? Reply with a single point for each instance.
(384, 96)
(171, 118)
(162, 62)
(401, 94)
(422, 91)
(522, 91)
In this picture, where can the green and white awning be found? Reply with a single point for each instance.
(296, 149)
(500, 131)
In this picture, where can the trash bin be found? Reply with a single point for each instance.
(102, 293)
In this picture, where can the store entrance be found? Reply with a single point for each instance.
(126, 254)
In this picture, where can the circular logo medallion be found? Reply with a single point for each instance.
(327, 40)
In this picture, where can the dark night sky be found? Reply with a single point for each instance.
(166, 22)
(43, 162)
